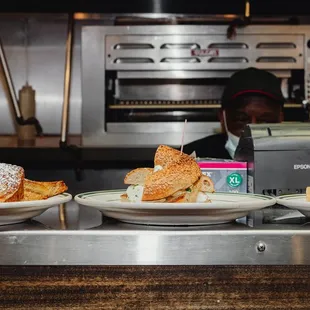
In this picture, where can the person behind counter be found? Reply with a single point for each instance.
(251, 96)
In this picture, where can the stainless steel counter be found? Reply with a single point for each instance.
(81, 236)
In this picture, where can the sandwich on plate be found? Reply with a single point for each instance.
(175, 178)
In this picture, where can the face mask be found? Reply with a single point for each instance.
(232, 141)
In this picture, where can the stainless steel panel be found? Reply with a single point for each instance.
(93, 86)
(122, 139)
(108, 242)
(238, 65)
(163, 127)
(172, 106)
(252, 48)
(169, 91)
(182, 74)
(152, 248)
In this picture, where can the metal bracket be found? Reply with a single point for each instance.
(63, 143)
(239, 22)
(67, 81)
(247, 20)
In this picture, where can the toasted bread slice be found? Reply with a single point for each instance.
(11, 183)
(176, 176)
(166, 155)
(137, 176)
(34, 190)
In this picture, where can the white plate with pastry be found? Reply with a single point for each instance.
(20, 211)
(300, 202)
(22, 199)
(174, 192)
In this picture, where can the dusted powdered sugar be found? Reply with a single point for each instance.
(9, 177)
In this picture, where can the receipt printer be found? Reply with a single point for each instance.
(277, 156)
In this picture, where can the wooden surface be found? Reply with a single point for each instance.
(160, 287)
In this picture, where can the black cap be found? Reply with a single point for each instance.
(252, 81)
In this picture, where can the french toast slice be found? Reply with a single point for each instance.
(11, 182)
(34, 190)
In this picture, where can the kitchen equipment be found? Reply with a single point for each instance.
(278, 157)
(139, 83)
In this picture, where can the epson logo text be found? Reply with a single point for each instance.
(302, 166)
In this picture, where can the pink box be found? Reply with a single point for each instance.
(227, 175)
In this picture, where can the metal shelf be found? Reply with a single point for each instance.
(155, 105)
(86, 238)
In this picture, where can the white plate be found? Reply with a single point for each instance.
(17, 212)
(296, 202)
(225, 207)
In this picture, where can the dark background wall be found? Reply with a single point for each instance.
(258, 7)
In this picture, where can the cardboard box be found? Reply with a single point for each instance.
(227, 175)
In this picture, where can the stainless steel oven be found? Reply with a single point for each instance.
(139, 83)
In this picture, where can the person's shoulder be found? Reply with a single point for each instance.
(213, 145)
(219, 138)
